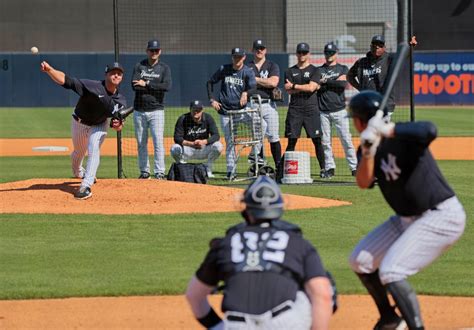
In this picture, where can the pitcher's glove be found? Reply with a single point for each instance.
(277, 94)
(120, 116)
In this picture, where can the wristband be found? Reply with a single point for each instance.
(210, 319)
(293, 87)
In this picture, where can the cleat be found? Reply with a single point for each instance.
(83, 193)
(144, 175)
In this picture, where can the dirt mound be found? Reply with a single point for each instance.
(131, 196)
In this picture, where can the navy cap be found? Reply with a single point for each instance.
(196, 105)
(302, 47)
(153, 44)
(238, 51)
(114, 66)
(378, 39)
(259, 43)
(330, 48)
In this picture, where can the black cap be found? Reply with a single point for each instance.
(238, 51)
(196, 105)
(378, 39)
(259, 43)
(330, 48)
(114, 66)
(302, 47)
(153, 44)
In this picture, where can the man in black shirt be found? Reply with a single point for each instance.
(429, 217)
(151, 79)
(370, 72)
(301, 83)
(268, 268)
(98, 101)
(196, 137)
(332, 103)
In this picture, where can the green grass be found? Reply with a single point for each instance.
(96, 255)
(55, 122)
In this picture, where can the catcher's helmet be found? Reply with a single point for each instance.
(365, 104)
(263, 200)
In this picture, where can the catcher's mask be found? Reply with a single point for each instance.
(365, 104)
(262, 200)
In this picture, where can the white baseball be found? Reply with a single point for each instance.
(34, 50)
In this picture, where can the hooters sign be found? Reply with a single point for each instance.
(291, 167)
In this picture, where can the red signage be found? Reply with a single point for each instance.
(291, 167)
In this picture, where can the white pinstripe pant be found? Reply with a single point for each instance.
(87, 139)
(402, 246)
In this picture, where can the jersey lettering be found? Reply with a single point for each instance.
(390, 168)
(234, 81)
(273, 251)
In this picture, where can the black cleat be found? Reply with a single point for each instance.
(83, 193)
(160, 176)
(144, 175)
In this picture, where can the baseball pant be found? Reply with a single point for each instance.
(297, 118)
(270, 124)
(402, 246)
(341, 122)
(155, 121)
(87, 139)
(210, 152)
(297, 317)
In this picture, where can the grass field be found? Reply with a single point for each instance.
(96, 255)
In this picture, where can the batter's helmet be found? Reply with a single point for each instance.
(365, 104)
(263, 200)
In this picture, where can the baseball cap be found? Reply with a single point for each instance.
(259, 43)
(113, 66)
(238, 51)
(330, 48)
(153, 44)
(302, 47)
(378, 39)
(196, 105)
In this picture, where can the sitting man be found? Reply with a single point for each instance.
(196, 137)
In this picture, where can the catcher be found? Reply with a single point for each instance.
(98, 101)
(274, 278)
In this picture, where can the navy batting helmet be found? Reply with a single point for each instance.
(365, 104)
(263, 200)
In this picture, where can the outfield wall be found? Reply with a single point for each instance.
(440, 78)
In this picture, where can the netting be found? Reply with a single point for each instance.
(196, 38)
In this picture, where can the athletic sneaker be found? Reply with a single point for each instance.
(83, 193)
(210, 175)
(330, 173)
(324, 175)
(160, 176)
(394, 324)
(144, 175)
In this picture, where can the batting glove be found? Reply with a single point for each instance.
(381, 125)
(369, 140)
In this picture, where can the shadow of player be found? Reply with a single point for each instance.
(68, 187)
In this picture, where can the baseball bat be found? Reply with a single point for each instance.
(393, 73)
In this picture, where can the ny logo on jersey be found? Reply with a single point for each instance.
(390, 168)
(306, 75)
(264, 74)
(117, 107)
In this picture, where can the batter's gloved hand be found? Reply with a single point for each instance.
(369, 141)
(382, 125)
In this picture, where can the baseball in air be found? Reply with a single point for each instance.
(34, 50)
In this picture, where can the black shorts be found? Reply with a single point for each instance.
(303, 117)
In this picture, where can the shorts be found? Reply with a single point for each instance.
(303, 117)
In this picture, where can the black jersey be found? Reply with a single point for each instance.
(267, 70)
(187, 129)
(370, 73)
(303, 77)
(261, 265)
(96, 103)
(331, 96)
(158, 78)
(406, 172)
(233, 84)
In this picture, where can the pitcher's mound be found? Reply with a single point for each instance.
(131, 196)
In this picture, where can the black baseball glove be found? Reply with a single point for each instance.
(119, 117)
(277, 94)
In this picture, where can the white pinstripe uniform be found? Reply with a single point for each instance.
(429, 216)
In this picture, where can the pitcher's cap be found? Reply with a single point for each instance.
(113, 66)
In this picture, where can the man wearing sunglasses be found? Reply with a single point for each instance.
(151, 79)
(370, 72)
(332, 103)
(302, 83)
